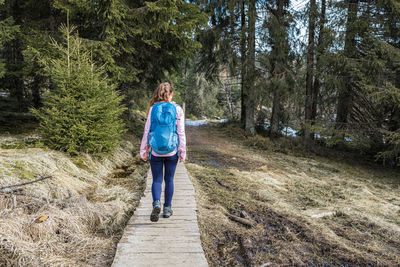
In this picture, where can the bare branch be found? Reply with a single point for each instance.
(40, 178)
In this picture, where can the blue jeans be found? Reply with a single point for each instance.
(157, 165)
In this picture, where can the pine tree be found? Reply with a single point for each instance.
(13, 59)
(83, 113)
(7, 32)
(345, 96)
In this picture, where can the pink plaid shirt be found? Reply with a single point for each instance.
(180, 129)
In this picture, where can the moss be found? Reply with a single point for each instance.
(18, 145)
(6, 165)
(21, 169)
(53, 195)
(19, 165)
(79, 162)
(26, 143)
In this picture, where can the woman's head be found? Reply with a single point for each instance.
(164, 92)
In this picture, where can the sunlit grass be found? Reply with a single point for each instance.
(308, 208)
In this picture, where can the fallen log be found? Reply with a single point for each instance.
(40, 178)
(245, 214)
(241, 220)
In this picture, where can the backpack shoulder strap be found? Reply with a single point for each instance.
(176, 126)
(153, 115)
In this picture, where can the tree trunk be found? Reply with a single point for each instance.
(228, 96)
(250, 71)
(186, 85)
(345, 94)
(310, 75)
(276, 113)
(243, 64)
(276, 69)
(320, 49)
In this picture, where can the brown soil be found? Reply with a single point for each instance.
(304, 211)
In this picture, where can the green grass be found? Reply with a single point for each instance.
(22, 169)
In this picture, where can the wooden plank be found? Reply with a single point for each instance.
(178, 203)
(164, 259)
(151, 247)
(162, 238)
(173, 241)
(171, 220)
(159, 231)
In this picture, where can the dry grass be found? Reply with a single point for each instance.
(88, 202)
(307, 210)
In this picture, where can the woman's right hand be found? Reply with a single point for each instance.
(145, 157)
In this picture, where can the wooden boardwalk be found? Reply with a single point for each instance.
(173, 241)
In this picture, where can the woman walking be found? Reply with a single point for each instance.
(164, 135)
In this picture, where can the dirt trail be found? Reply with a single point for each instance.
(261, 208)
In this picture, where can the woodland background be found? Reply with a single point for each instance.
(326, 71)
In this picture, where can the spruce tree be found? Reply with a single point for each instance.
(7, 32)
(83, 114)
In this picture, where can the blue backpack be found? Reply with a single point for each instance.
(163, 136)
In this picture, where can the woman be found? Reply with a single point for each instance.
(165, 158)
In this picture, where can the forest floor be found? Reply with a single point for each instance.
(74, 218)
(262, 207)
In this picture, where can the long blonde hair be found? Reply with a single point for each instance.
(162, 93)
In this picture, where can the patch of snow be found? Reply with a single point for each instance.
(317, 135)
(348, 139)
(196, 123)
(266, 108)
(267, 125)
(289, 131)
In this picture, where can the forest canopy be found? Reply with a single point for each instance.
(327, 72)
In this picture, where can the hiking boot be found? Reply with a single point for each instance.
(156, 211)
(167, 212)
